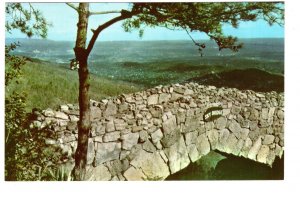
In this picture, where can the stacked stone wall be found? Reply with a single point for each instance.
(151, 134)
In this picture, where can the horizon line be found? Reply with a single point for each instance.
(140, 39)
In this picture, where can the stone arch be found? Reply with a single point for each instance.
(151, 134)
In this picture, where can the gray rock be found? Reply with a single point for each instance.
(163, 156)
(107, 152)
(178, 156)
(188, 92)
(171, 132)
(98, 173)
(254, 149)
(271, 158)
(192, 123)
(190, 112)
(115, 167)
(269, 139)
(70, 138)
(156, 136)
(193, 152)
(110, 126)
(245, 124)
(74, 118)
(193, 105)
(209, 126)
(96, 113)
(152, 165)
(121, 177)
(136, 129)
(133, 174)
(111, 109)
(226, 112)
(112, 136)
(120, 126)
(253, 125)
(231, 145)
(48, 112)
(271, 113)
(221, 123)
(244, 133)
(91, 151)
(153, 99)
(149, 147)
(72, 126)
(254, 114)
(61, 115)
(191, 137)
(98, 139)
(280, 114)
(278, 150)
(62, 123)
(213, 137)
(264, 113)
(156, 112)
(99, 130)
(263, 123)
(124, 154)
(37, 124)
(163, 98)
(50, 141)
(158, 146)
(123, 107)
(143, 136)
(203, 145)
(263, 154)
(235, 109)
(129, 140)
(223, 136)
(64, 108)
(245, 150)
(175, 96)
(235, 128)
(115, 178)
(179, 90)
(259, 95)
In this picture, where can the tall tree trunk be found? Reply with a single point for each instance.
(84, 101)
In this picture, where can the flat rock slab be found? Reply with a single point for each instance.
(107, 152)
(152, 165)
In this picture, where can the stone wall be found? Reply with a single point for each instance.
(151, 134)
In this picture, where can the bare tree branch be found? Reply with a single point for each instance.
(124, 15)
(72, 6)
(105, 12)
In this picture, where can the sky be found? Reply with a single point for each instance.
(64, 19)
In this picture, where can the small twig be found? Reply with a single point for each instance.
(72, 6)
(191, 37)
(104, 12)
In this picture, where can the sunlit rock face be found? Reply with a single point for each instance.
(151, 134)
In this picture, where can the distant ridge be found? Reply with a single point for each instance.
(252, 79)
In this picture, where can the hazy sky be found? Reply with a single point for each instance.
(64, 19)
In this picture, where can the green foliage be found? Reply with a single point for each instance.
(13, 63)
(28, 20)
(58, 174)
(50, 85)
(26, 156)
(204, 17)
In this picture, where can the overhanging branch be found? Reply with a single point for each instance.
(124, 15)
